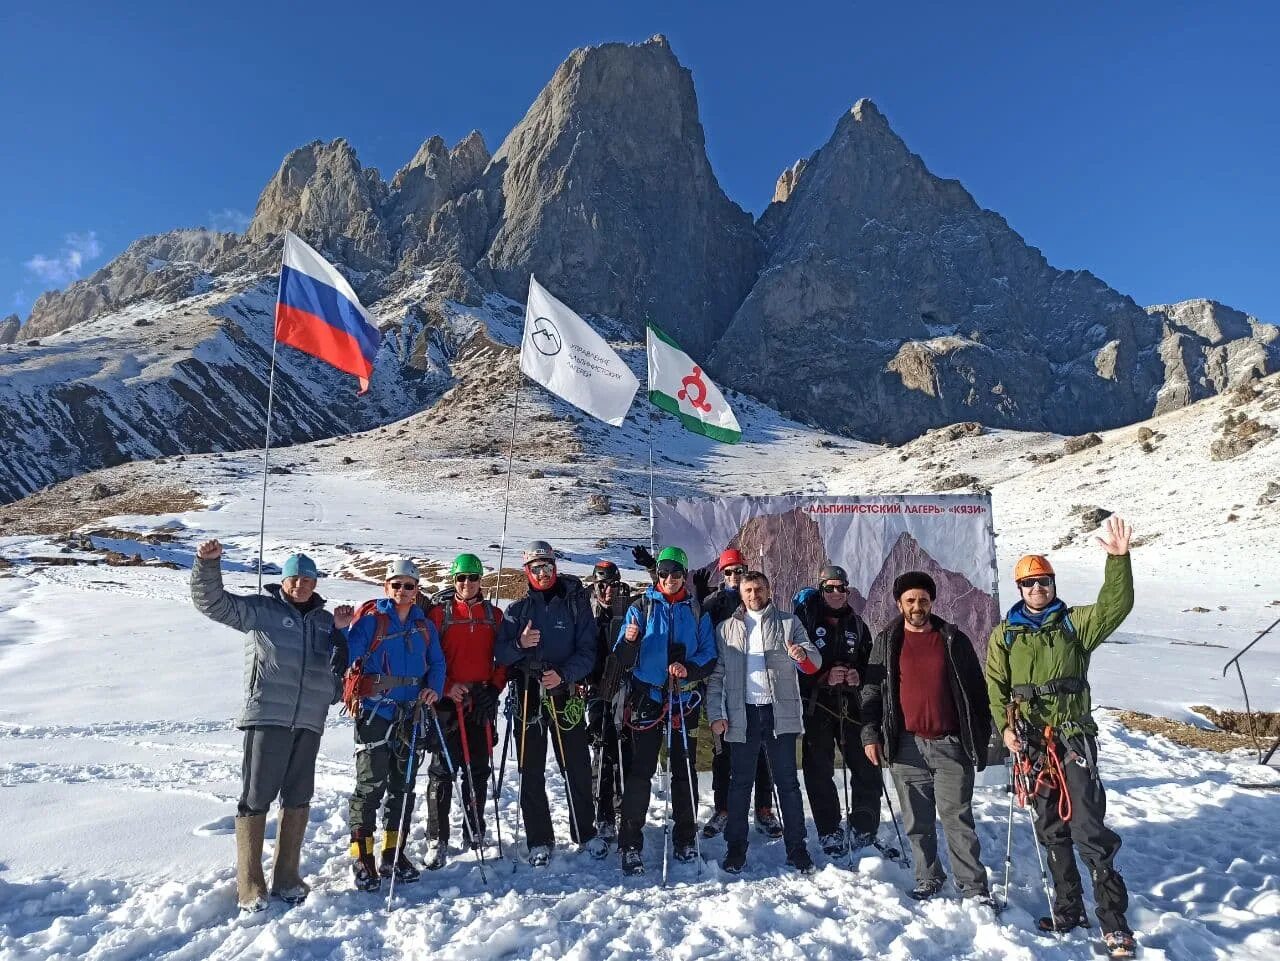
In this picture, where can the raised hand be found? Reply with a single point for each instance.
(530, 636)
(796, 651)
(632, 633)
(209, 550)
(1116, 534)
(343, 615)
(643, 558)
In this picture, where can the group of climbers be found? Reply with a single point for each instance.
(591, 668)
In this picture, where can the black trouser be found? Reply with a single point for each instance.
(381, 770)
(720, 768)
(782, 761)
(440, 782)
(570, 746)
(278, 762)
(643, 762)
(823, 733)
(1096, 842)
(606, 767)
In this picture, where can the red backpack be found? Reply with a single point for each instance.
(356, 684)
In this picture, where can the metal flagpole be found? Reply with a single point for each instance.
(652, 546)
(506, 501)
(266, 447)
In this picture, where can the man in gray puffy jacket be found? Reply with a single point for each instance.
(753, 701)
(288, 687)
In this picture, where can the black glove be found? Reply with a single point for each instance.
(484, 702)
(702, 583)
(644, 558)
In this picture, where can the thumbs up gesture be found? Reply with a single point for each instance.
(530, 636)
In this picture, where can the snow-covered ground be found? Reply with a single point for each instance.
(122, 769)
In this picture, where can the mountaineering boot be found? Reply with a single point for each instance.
(715, 824)
(540, 855)
(685, 853)
(251, 885)
(1119, 944)
(735, 861)
(768, 823)
(364, 870)
(439, 855)
(833, 844)
(1064, 919)
(800, 860)
(286, 882)
(924, 890)
(632, 863)
(607, 830)
(395, 860)
(597, 847)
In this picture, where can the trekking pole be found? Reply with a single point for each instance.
(848, 791)
(574, 824)
(603, 747)
(404, 802)
(693, 773)
(1008, 846)
(476, 819)
(666, 782)
(1025, 790)
(520, 756)
(497, 780)
(884, 789)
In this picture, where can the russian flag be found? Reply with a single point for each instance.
(319, 314)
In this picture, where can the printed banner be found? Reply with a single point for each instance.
(874, 539)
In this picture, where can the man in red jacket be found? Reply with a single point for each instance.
(467, 625)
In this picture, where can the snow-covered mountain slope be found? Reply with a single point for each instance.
(122, 767)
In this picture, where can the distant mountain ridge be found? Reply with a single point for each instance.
(871, 298)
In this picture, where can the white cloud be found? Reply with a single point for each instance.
(64, 267)
(236, 221)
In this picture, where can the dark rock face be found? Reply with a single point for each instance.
(892, 303)
(9, 329)
(606, 194)
(959, 601)
(1210, 348)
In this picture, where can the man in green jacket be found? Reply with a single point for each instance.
(1037, 679)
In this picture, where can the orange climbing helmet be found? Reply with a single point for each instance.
(1032, 565)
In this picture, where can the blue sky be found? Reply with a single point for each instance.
(1140, 140)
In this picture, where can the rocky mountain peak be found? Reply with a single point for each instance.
(9, 329)
(604, 191)
(322, 193)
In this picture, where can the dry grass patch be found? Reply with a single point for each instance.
(1233, 728)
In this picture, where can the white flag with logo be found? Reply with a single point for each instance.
(680, 387)
(563, 354)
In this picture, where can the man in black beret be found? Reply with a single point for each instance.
(925, 713)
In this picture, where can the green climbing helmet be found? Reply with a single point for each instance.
(466, 564)
(675, 556)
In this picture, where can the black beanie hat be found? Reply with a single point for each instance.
(911, 580)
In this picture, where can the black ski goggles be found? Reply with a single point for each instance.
(1029, 582)
(835, 588)
(734, 571)
(470, 578)
(667, 569)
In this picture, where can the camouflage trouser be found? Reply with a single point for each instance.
(380, 771)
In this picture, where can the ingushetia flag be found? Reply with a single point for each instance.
(319, 314)
(680, 387)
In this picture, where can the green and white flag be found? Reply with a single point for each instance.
(680, 387)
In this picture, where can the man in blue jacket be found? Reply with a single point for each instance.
(397, 654)
(668, 645)
(549, 637)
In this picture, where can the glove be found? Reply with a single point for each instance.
(484, 702)
(702, 582)
(643, 557)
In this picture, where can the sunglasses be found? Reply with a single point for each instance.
(670, 570)
(403, 585)
(1029, 582)
(470, 578)
(540, 569)
(835, 588)
(734, 571)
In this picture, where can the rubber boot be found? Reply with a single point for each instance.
(251, 885)
(286, 882)
(363, 868)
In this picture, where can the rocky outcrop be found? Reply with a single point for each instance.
(323, 194)
(9, 329)
(793, 544)
(892, 303)
(166, 267)
(434, 178)
(1210, 348)
(604, 191)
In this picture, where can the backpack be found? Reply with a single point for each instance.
(356, 684)
(446, 598)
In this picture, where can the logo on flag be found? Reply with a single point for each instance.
(565, 355)
(681, 387)
(319, 314)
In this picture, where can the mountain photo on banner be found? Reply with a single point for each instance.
(681, 387)
(565, 355)
(318, 313)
